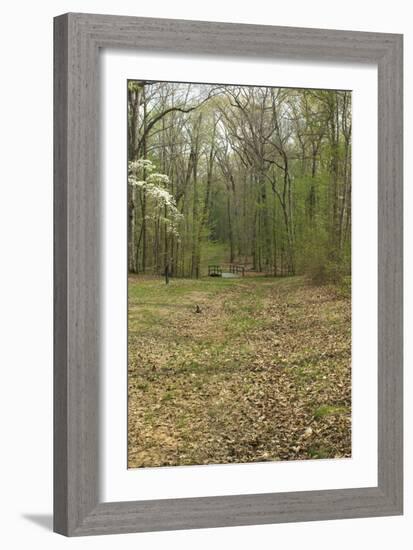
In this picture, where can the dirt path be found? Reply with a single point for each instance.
(261, 373)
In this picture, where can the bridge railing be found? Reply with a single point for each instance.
(214, 271)
(236, 268)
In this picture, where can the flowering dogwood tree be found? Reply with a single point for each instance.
(160, 203)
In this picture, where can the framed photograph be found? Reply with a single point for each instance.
(228, 274)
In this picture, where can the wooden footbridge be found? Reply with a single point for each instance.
(233, 270)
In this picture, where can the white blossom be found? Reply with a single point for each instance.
(135, 182)
(141, 164)
(158, 178)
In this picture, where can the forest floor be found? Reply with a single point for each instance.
(262, 373)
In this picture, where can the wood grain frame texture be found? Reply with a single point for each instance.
(77, 41)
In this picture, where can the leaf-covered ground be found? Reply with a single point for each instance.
(262, 373)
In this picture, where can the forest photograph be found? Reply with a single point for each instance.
(239, 274)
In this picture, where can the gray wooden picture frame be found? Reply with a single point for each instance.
(77, 506)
